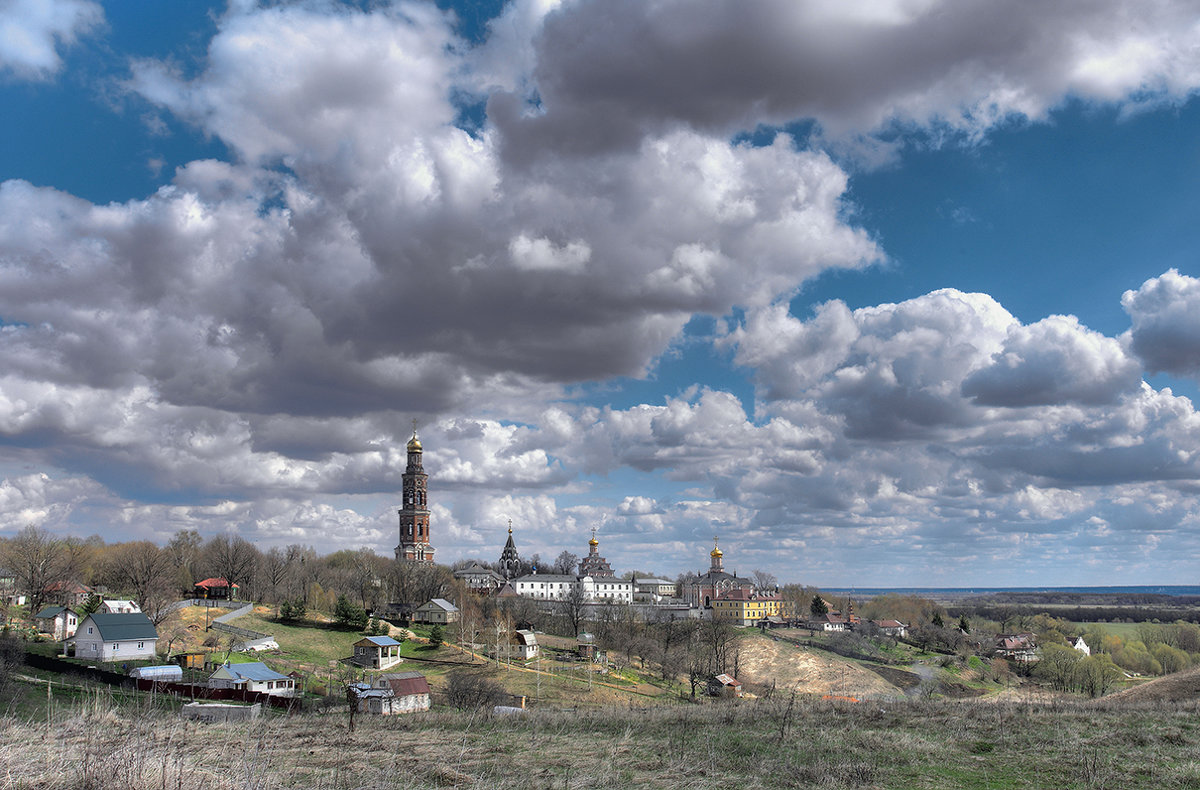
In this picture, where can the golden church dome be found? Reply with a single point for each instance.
(414, 444)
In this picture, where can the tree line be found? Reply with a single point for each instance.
(155, 576)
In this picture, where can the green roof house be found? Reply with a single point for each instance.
(114, 637)
(58, 621)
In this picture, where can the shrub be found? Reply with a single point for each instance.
(12, 656)
(467, 690)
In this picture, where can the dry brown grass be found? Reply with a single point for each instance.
(809, 743)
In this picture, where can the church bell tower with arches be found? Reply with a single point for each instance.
(414, 514)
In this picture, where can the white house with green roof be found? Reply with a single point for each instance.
(114, 637)
(58, 621)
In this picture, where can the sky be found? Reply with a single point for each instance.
(893, 293)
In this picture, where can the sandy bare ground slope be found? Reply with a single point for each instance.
(808, 672)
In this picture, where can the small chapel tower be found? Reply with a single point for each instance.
(593, 564)
(414, 514)
(510, 561)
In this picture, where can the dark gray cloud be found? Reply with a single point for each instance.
(611, 71)
(1165, 313)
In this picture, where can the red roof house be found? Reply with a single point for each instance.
(216, 587)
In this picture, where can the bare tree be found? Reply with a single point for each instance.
(35, 558)
(468, 619)
(671, 636)
(77, 557)
(170, 630)
(232, 558)
(304, 569)
(716, 644)
(624, 635)
(764, 580)
(185, 551)
(471, 689)
(144, 571)
(572, 607)
(565, 563)
(366, 573)
(273, 571)
(414, 583)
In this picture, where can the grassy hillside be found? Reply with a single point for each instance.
(909, 744)
(1179, 687)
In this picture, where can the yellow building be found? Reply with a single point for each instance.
(746, 607)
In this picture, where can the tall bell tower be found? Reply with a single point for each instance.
(414, 515)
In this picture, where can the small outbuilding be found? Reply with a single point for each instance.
(190, 660)
(167, 673)
(377, 652)
(724, 685)
(410, 691)
(379, 701)
(216, 587)
(585, 646)
(220, 711)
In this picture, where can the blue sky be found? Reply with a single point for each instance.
(897, 294)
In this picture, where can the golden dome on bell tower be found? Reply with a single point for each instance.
(717, 565)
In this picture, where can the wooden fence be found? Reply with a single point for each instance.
(182, 690)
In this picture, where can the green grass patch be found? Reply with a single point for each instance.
(306, 641)
(1127, 631)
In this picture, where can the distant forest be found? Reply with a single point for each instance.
(1112, 607)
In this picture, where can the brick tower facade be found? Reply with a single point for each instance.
(414, 515)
